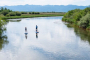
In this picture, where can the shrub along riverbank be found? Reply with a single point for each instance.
(78, 17)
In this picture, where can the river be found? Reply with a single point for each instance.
(55, 40)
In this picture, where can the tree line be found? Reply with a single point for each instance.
(79, 17)
(8, 12)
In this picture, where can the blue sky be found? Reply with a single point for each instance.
(45, 2)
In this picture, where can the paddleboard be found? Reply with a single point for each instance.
(26, 33)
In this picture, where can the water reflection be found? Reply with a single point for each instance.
(14, 20)
(3, 38)
(26, 36)
(3, 41)
(56, 41)
(84, 34)
(36, 35)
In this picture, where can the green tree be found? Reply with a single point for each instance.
(7, 15)
(29, 12)
(33, 12)
(18, 13)
(85, 21)
(36, 13)
(4, 12)
(2, 9)
(23, 12)
(5, 9)
(12, 14)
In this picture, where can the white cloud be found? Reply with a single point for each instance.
(44, 2)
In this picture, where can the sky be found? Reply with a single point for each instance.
(45, 2)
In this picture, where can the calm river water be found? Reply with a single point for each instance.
(55, 40)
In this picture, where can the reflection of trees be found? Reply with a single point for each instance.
(3, 38)
(84, 35)
(14, 20)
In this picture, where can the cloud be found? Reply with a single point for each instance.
(43, 2)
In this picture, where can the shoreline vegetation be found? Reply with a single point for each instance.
(31, 16)
(9, 14)
(80, 18)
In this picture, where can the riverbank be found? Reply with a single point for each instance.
(33, 15)
(78, 17)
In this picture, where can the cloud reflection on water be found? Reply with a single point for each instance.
(56, 41)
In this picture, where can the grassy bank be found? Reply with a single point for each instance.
(33, 15)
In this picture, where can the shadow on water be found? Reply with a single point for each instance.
(3, 38)
(82, 33)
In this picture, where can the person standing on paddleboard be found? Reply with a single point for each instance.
(26, 29)
(36, 28)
